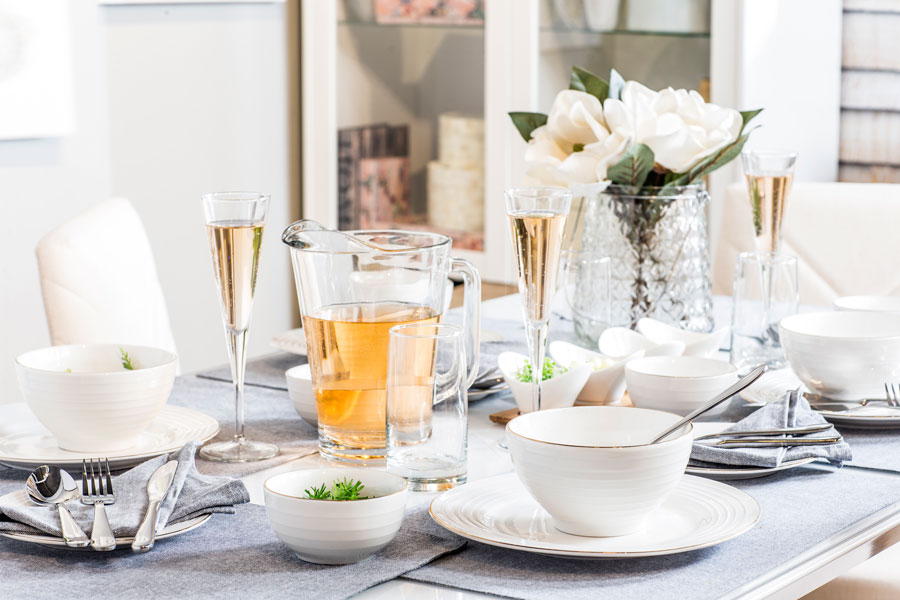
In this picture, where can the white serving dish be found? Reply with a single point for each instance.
(300, 389)
(678, 384)
(557, 392)
(592, 468)
(332, 532)
(695, 344)
(603, 386)
(884, 304)
(845, 355)
(621, 342)
(99, 406)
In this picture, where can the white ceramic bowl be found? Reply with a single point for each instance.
(99, 406)
(621, 342)
(591, 467)
(888, 304)
(332, 532)
(604, 386)
(843, 354)
(695, 344)
(678, 384)
(557, 392)
(300, 389)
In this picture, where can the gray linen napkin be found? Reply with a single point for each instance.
(791, 411)
(191, 495)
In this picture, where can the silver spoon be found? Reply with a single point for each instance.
(739, 385)
(49, 485)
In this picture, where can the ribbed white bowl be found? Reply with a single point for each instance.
(335, 532)
(591, 468)
(99, 406)
(300, 389)
(678, 384)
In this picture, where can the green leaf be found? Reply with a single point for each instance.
(636, 164)
(748, 115)
(526, 122)
(616, 84)
(585, 81)
(711, 163)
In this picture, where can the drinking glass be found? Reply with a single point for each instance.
(234, 225)
(537, 219)
(427, 406)
(585, 277)
(765, 291)
(769, 179)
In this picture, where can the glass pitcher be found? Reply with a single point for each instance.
(352, 288)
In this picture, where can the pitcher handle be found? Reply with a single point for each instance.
(471, 314)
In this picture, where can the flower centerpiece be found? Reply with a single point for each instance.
(637, 158)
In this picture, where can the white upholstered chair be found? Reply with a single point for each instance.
(99, 280)
(845, 235)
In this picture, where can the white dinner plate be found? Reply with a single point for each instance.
(26, 444)
(498, 511)
(725, 473)
(168, 531)
(773, 385)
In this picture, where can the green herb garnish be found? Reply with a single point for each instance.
(126, 360)
(341, 490)
(551, 370)
(68, 370)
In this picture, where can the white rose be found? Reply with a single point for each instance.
(576, 118)
(679, 126)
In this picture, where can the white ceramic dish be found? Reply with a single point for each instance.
(774, 385)
(26, 444)
(557, 392)
(695, 344)
(845, 355)
(621, 342)
(123, 542)
(497, 511)
(302, 394)
(332, 532)
(885, 304)
(592, 467)
(678, 384)
(603, 386)
(84, 396)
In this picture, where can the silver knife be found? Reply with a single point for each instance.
(157, 488)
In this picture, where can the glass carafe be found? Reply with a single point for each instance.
(352, 288)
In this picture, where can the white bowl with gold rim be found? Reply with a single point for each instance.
(678, 384)
(592, 467)
(302, 393)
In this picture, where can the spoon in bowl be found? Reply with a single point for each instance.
(733, 389)
(50, 485)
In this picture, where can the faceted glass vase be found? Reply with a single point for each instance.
(658, 244)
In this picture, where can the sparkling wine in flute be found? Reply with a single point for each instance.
(768, 201)
(537, 236)
(235, 252)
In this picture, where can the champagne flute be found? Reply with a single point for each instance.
(537, 218)
(234, 225)
(769, 179)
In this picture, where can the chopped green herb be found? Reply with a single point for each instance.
(68, 370)
(341, 490)
(318, 493)
(126, 360)
(551, 370)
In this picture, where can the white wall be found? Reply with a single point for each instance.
(172, 101)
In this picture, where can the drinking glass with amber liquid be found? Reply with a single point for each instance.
(352, 289)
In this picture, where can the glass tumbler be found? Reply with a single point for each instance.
(765, 291)
(427, 408)
(585, 278)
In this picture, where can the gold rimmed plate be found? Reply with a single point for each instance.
(499, 511)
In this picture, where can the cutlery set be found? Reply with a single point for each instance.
(52, 486)
(769, 437)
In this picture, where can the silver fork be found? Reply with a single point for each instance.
(893, 397)
(97, 489)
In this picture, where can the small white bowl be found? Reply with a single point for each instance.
(678, 384)
(99, 406)
(621, 342)
(300, 389)
(592, 467)
(604, 386)
(557, 392)
(883, 304)
(330, 532)
(846, 355)
(695, 344)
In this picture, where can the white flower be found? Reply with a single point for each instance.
(576, 118)
(679, 126)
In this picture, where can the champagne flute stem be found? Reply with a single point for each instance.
(537, 337)
(237, 344)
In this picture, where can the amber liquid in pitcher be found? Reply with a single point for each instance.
(347, 346)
